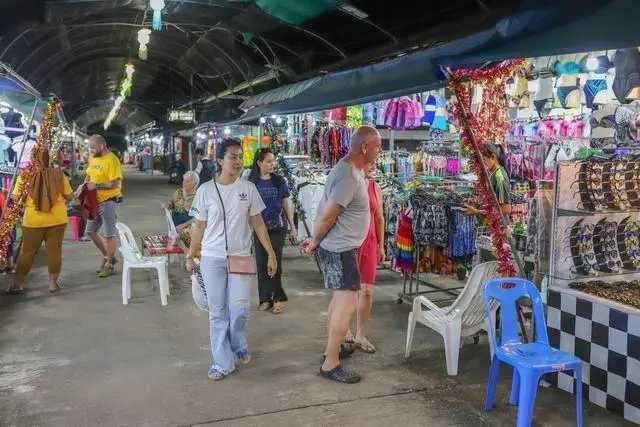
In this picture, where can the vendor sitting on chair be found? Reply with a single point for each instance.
(181, 200)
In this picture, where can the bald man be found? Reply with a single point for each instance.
(104, 174)
(340, 228)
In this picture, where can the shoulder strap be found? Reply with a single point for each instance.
(224, 215)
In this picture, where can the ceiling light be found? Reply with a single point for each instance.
(353, 11)
(263, 120)
(278, 120)
(227, 131)
(592, 63)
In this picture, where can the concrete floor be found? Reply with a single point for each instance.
(82, 358)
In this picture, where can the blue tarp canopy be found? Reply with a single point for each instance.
(540, 28)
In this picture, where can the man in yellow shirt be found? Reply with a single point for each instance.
(104, 174)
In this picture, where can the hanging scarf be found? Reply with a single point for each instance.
(46, 184)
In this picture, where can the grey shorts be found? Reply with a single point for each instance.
(107, 218)
(340, 270)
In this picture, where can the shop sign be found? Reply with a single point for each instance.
(184, 116)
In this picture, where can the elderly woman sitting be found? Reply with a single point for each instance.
(181, 201)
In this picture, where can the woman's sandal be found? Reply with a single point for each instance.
(365, 346)
(215, 375)
(14, 291)
(350, 339)
(278, 307)
(57, 288)
(265, 306)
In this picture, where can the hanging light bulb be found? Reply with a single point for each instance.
(157, 6)
(144, 36)
(129, 69)
(278, 120)
(227, 131)
(263, 120)
(592, 63)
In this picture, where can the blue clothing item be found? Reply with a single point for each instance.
(563, 94)
(180, 218)
(592, 88)
(429, 110)
(567, 68)
(273, 191)
(440, 123)
(229, 302)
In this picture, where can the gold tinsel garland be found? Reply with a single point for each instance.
(13, 210)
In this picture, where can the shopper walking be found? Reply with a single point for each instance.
(371, 254)
(225, 209)
(277, 216)
(104, 174)
(340, 229)
(45, 220)
(205, 167)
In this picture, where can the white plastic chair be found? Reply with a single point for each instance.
(133, 259)
(465, 317)
(171, 227)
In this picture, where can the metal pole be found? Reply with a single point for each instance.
(73, 150)
(25, 136)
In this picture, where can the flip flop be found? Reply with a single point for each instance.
(367, 347)
(14, 291)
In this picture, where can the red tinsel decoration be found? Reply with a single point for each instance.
(14, 210)
(490, 124)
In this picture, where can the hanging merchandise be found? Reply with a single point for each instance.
(330, 142)
(403, 113)
(354, 116)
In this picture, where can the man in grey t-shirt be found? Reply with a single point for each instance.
(340, 228)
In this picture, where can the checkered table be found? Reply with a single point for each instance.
(608, 342)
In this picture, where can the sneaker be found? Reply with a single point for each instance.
(244, 357)
(107, 270)
(339, 375)
(101, 266)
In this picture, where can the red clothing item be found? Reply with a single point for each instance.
(89, 203)
(368, 253)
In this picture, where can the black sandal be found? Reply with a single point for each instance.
(14, 291)
(338, 374)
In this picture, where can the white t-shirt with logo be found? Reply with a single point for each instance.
(241, 201)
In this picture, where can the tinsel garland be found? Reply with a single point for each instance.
(489, 125)
(14, 210)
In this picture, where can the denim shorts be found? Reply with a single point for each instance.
(340, 270)
(107, 218)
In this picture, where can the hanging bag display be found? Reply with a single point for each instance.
(236, 264)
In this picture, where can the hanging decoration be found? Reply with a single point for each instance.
(125, 91)
(489, 125)
(144, 36)
(157, 6)
(14, 209)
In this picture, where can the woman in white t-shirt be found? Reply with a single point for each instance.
(228, 295)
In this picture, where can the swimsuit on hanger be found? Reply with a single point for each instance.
(592, 87)
(567, 97)
(603, 64)
(567, 68)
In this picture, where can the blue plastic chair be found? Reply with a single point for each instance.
(529, 360)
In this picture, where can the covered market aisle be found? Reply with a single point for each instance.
(501, 137)
(85, 359)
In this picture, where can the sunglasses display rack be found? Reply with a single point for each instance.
(595, 225)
